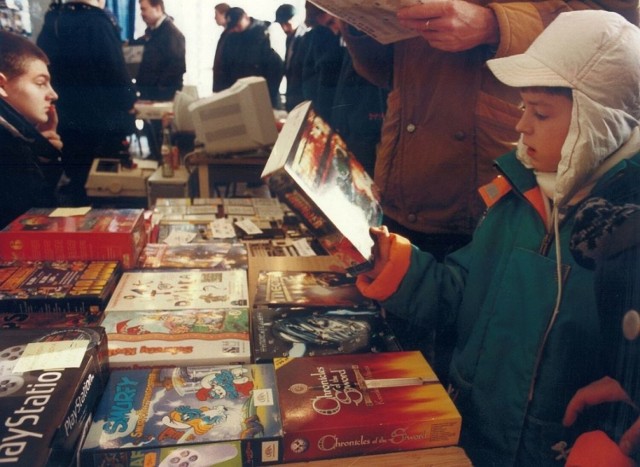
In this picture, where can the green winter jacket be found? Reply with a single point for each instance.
(514, 369)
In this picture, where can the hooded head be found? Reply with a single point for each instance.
(596, 55)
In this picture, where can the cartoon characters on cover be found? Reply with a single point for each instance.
(164, 406)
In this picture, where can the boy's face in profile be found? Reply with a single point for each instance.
(30, 93)
(544, 126)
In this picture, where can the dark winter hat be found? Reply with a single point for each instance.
(285, 12)
(234, 15)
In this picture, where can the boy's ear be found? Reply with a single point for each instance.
(3, 82)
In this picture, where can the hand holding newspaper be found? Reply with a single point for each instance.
(377, 18)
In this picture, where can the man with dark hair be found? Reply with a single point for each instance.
(163, 62)
(247, 52)
(286, 17)
(284, 14)
(29, 168)
(220, 17)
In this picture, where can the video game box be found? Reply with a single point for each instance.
(50, 382)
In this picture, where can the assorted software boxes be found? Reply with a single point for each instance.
(312, 371)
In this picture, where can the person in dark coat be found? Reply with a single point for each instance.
(29, 159)
(163, 61)
(322, 63)
(221, 20)
(357, 113)
(295, 31)
(163, 64)
(606, 238)
(96, 93)
(247, 52)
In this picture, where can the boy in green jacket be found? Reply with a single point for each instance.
(528, 334)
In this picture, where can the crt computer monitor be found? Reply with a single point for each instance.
(237, 119)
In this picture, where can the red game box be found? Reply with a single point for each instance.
(100, 234)
(359, 404)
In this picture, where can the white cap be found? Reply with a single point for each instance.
(596, 52)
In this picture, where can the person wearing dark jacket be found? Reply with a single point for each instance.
(163, 64)
(29, 159)
(163, 61)
(322, 63)
(96, 94)
(357, 113)
(221, 20)
(606, 238)
(247, 52)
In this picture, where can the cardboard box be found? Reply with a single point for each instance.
(313, 172)
(51, 381)
(359, 404)
(100, 234)
(309, 288)
(139, 339)
(214, 254)
(63, 288)
(143, 412)
(301, 331)
(179, 289)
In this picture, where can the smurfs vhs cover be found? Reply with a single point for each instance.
(145, 414)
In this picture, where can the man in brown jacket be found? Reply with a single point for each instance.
(447, 117)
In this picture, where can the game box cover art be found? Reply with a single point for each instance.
(178, 337)
(358, 404)
(50, 382)
(143, 411)
(58, 287)
(308, 288)
(219, 255)
(200, 229)
(100, 234)
(300, 331)
(179, 289)
(314, 173)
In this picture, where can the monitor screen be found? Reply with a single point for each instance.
(237, 119)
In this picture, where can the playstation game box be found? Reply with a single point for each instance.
(50, 382)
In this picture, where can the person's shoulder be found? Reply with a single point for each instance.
(258, 26)
(174, 30)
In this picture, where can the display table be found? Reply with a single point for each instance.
(452, 456)
(226, 170)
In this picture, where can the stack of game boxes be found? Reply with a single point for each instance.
(202, 370)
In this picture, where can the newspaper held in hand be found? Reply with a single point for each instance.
(377, 18)
(312, 171)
